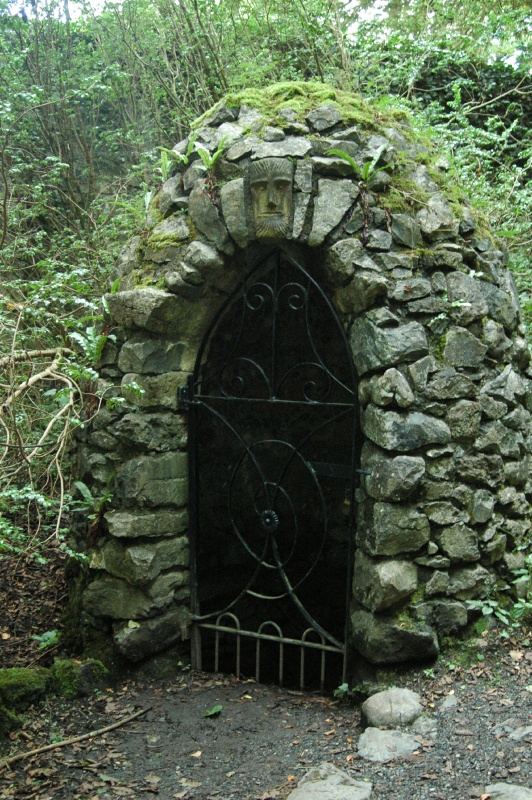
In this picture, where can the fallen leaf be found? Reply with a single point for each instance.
(197, 754)
(213, 712)
(229, 774)
(191, 784)
(330, 733)
(151, 779)
(6, 636)
(516, 655)
(180, 795)
(291, 778)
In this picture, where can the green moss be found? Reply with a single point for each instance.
(302, 97)
(19, 688)
(72, 678)
(8, 722)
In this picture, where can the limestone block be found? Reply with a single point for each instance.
(145, 638)
(494, 550)
(392, 708)
(141, 563)
(151, 309)
(327, 782)
(132, 525)
(393, 261)
(463, 349)
(234, 210)
(518, 419)
(411, 289)
(491, 408)
(323, 165)
(463, 420)
(361, 293)
(389, 530)
(172, 197)
(495, 437)
(516, 472)
(501, 306)
(466, 298)
(205, 217)
(508, 791)
(303, 177)
(376, 348)
(381, 584)
(382, 640)
(165, 239)
(394, 478)
(339, 264)
(128, 260)
(301, 205)
(324, 117)
(438, 583)
(296, 146)
(242, 148)
(496, 340)
(469, 583)
(447, 616)
(383, 746)
(444, 513)
(403, 431)
(155, 390)
(156, 431)
(436, 219)
(139, 354)
(154, 480)
(459, 542)
(447, 384)
(420, 370)
(406, 230)
(423, 179)
(334, 199)
(378, 240)
(508, 386)
(392, 387)
(114, 598)
(482, 506)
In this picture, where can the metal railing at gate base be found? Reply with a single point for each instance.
(304, 644)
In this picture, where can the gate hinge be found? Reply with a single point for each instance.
(185, 395)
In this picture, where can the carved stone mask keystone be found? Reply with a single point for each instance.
(270, 181)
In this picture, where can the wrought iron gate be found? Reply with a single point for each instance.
(272, 421)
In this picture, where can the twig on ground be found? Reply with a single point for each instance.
(73, 740)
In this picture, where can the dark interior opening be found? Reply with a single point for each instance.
(275, 441)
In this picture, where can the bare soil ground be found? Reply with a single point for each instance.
(264, 738)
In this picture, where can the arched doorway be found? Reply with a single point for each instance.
(272, 463)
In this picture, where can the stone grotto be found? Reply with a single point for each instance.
(315, 396)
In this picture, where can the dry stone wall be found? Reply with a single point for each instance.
(433, 318)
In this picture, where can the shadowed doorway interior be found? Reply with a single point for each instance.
(272, 448)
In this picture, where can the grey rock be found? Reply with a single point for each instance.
(156, 431)
(324, 117)
(494, 550)
(128, 260)
(391, 261)
(411, 289)
(385, 529)
(150, 309)
(404, 432)
(507, 386)
(142, 355)
(303, 177)
(467, 300)
(392, 387)
(242, 148)
(154, 480)
(220, 114)
(272, 134)
(113, 598)
(463, 420)
(141, 563)
(495, 437)
(444, 513)
(301, 205)
(205, 217)
(448, 703)
(172, 196)
(436, 219)
(395, 478)
(521, 734)
(392, 708)
(419, 371)
(425, 726)
(518, 419)
(381, 584)
(491, 408)
(378, 240)
(448, 384)
(138, 641)
(463, 349)
(133, 525)
(468, 583)
(349, 134)
(328, 165)
(327, 782)
(383, 746)
(250, 118)
(165, 237)
(293, 146)
(334, 199)
(362, 292)
(375, 348)
(482, 506)
(438, 583)
(384, 641)
(234, 210)
(406, 230)
(496, 340)
(433, 561)
(501, 306)
(467, 223)
(340, 261)
(459, 542)
(379, 181)
(157, 391)
(422, 178)
(508, 791)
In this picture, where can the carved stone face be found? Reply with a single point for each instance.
(270, 181)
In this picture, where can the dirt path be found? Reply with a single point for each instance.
(264, 739)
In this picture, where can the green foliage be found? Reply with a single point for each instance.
(47, 639)
(213, 712)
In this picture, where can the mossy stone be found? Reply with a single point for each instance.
(75, 678)
(19, 688)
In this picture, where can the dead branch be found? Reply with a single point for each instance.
(73, 740)
(24, 355)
